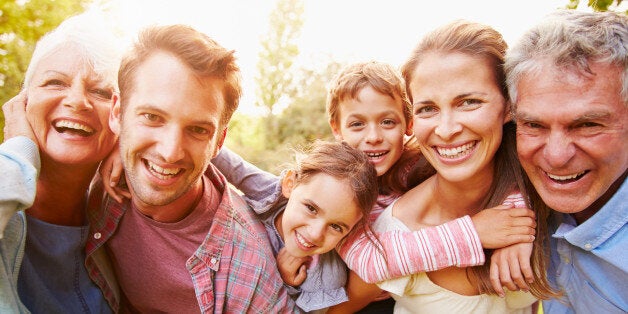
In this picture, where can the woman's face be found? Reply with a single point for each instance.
(68, 107)
(458, 113)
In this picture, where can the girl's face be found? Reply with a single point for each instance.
(68, 108)
(320, 212)
(458, 112)
(374, 124)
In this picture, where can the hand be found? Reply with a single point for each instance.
(293, 270)
(510, 267)
(502, 226)
(15, 120)
(111, 170)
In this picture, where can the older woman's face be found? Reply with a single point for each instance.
(458, 113)
(68, 107)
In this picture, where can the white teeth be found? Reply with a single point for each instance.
(303, 242)
(563, 178)
(376, 155)
(162, 173)
(456, 151)
(73, 125)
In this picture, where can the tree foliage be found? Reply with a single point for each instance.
(22, 23)
(598, 5)
(276, 59)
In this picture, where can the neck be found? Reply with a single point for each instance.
(461, 198)
(62, 193)
(175, 210)
(585, 214)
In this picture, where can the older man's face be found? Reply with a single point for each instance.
(572, 134)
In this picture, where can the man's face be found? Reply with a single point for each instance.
(571, 134)
(169, 131)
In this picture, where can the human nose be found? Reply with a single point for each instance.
(170, 145)
(373, 135)
(317, 231)
(448, 126)
(559, 149)
(76, 98)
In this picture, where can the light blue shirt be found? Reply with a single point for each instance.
(590, 261)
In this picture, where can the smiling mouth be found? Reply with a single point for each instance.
(66, 126)
(375, 155)
(566, 178)
(161, 172)
(303, 242)
(456, 152)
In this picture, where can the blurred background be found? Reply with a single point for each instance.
(288, 50)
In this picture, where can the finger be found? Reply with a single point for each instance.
(494, 277)
(516, 276)
(504, 276)
(112, 192)
(301, 275)
(523, 222)
(526, 269)
(521, 212)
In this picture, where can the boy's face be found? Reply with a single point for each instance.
(373, 123)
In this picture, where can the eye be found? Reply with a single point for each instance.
(310, 208)
(470, 104)
(532, 125)
(337, 228)
(102, 93)
(198, 130)
(588, 124)
(54, 82)
(389, 122)
(151, 117)
(356, 124)
(425, 111)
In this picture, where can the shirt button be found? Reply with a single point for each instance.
(588, 246)
(97, 235)
(213, 260)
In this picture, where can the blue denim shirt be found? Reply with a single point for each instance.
(589, 262)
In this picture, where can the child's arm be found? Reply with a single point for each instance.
(360, 295)
(455, 243)
(261, 189)
(19, 161)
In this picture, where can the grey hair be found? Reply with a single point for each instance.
(571, 40)
(91, 35)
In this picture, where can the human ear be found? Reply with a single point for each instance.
(288, 182)
(335, 130)
(115, 115)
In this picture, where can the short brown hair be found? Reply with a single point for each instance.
(201, 53)
(351, 80)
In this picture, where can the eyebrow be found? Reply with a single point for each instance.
(149, 107)
(313, 204)
(458, 97)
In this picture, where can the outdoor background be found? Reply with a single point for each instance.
(288, 50)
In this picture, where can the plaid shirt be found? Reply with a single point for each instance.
(233, 271)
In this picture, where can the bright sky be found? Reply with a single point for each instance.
(345, 30)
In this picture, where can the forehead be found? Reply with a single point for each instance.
(162, 80)
(68, 60)
(369, 102)
(440, 72)
(553, 93)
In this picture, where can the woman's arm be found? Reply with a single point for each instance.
(456, 243)
(19, 165)
(261, 189)
(19, 161)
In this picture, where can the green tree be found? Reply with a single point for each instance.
(275, 65)
(598, 5)
(305, 120)
(22, 23)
